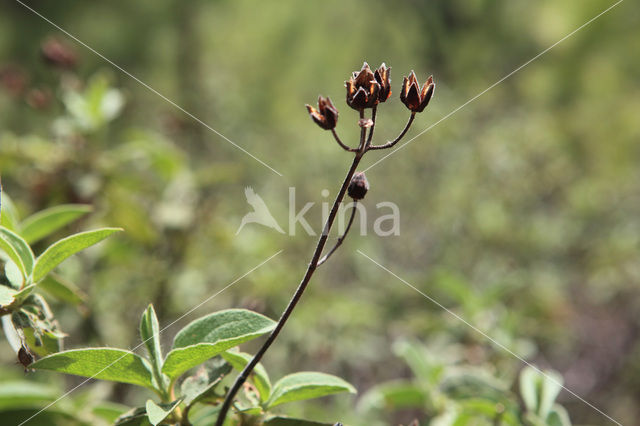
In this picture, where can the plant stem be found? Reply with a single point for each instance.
(313, 264)
(342, 237)
(400, 136)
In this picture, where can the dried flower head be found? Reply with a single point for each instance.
(362, 89)
(411, 95)
(358, 186)
(382, 77)
(326, 116)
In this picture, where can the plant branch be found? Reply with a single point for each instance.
(396, 140)
(342, 144)
(242, 377)
(342, 237)
(373, 118)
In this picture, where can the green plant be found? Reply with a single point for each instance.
(207, 349)
(447, 391)
(27, 320)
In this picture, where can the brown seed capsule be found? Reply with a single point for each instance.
(358, 186)
(362, 89)
(25, 357)
(411, 95)
(326, 116)
(382, 77)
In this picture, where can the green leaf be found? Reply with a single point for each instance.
(231, 325)
(180, 360)
(45, 222)
(212, 335)
(259, 376)
(11, 333)
(9, 217)
(134, 417)
(7, 296)
(109, 411)
(150, 334)
(13, 274)
(46, 342)
(100, 363)
(288, 421)
(558, 416)
(307, 385)
(62, 249)
(25, 394)
(394, 395)
(530, 388)
(201, 385)
(17, 249)
(551, 386)
(62, 289)
(158, 413)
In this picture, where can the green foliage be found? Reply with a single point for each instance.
(459, 394)
(306, 385)
(62, 249)
(197, 343)
(28, 322)
(46, 222)
(101, 363)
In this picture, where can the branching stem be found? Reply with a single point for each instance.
(342, 237)
(400, 136)
(242, 377)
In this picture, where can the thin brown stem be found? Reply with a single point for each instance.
(396, 140)
(342, 237)
(342, 144)
(373, 126)
(242, 377)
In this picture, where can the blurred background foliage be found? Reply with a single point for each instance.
(520, 213)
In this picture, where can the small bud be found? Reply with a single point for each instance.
(25, 357)
(411, 95)
(326, 116)
(358, 186)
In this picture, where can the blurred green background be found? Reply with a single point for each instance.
(520, 213)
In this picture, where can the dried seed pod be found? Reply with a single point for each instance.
(362, 89)
(326, 116)
(25, 357)
(411, 95)
(382, 77)
(358, 186)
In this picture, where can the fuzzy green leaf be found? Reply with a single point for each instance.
(288, 421)
(100, 363)
(25, 394)
(211, 335)
(62, 249)
(231, 325)
(62, 289)
(157, 413)
(307, 385)
(45, 222)
(7, 296)
(259, 376)
(17, 249)
(202, 384)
